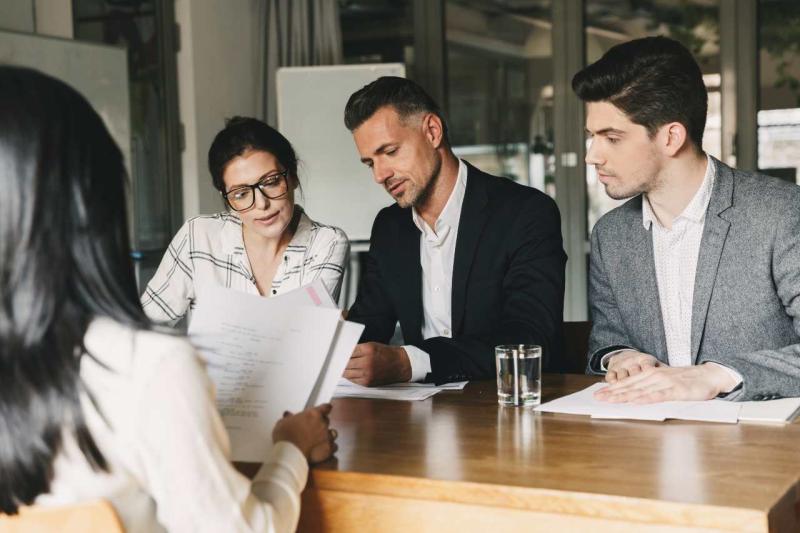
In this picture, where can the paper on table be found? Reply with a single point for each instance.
(262, 360)
(584, 403)
(771, 411)
(348, 389)
(455, 385)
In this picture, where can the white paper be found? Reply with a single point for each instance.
(263, 360)
(584, 403)
(455, 385)
(772, 411)
(348, 389)
(314, 294)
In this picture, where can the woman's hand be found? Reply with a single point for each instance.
(308, 430)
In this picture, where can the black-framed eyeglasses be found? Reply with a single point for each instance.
(274, 187)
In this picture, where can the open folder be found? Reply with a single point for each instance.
(269, 355)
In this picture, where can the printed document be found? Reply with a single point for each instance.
(266, 356)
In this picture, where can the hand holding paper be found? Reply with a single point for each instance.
(309, 431)
(269, 355)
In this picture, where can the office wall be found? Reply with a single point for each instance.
(53, 17)
(47, 17)
(16, 15)
(218, 77)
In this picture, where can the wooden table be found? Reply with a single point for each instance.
(459, 462)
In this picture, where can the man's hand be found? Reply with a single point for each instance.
(665, 383)
(373, 363)
(629, 363)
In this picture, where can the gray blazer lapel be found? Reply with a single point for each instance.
(715, 231)
(644, 285)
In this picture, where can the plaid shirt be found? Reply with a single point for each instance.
(209, 249)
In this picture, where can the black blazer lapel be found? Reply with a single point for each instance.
(474, 214)
(715, 232)
(408, 274)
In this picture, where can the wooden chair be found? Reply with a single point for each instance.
(92, 517)
(576, 347)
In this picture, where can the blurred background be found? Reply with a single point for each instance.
(500, 69)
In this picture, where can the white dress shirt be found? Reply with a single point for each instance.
(675, 253)
(168, 452)
(437, 250)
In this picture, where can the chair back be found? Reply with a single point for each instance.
(93, 517)
(576, 347)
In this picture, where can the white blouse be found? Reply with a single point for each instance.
(156, 424)
(209, 250)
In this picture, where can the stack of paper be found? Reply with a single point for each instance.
(584, 403)
(269, 355)
(780, 411)
(397, 391)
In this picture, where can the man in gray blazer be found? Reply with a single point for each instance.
(694, 281)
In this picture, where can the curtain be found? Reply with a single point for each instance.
(298, 33)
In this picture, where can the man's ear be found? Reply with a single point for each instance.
(433, 129)
(672, 138)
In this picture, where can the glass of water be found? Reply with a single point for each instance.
(519, 374)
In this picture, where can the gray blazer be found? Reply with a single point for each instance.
(746, 308)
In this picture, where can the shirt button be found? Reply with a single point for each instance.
(446, 332)
(274, 291)
(436, 289)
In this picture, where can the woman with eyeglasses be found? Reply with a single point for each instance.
(95, 404)
(263, 244)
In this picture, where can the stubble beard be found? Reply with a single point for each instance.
(643, 186)
(416, 196)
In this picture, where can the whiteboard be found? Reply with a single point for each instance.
(338, 188)
(99, 72)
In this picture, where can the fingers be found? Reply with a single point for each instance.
(630, 379)
(325, 447)
(629, 364)
(321, 452)
(360, 370)
(355, 369)
(362, 350)
(324, 408)
(648, 386)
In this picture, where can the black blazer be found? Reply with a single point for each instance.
(508, 279)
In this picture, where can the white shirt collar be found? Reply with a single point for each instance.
(451, 214)
(695, 211)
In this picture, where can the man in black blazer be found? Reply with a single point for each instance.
(476, 261)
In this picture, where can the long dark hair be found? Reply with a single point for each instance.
(64, 259)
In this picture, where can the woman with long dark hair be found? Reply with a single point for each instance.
(93, 403)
